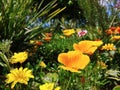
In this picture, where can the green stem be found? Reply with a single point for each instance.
(112, 21)
(4, 58)
(68, 84)
(117, 42)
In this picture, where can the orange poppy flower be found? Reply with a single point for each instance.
(113, 30)
(87, 46)
(38, 43)
(73, 60)
(109, 32)
(48, 34)
(47, 39)
(117, 30)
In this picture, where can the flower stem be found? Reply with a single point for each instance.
(68, 84)
(112, 21)
(5, 59)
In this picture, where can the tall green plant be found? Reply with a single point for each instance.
(5, 53)
(13, 18)
(96, 14)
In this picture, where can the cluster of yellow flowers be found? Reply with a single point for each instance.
(22, 75)
(77, 59)
(73, 61)
(19, 75)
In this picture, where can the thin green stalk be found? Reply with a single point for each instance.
(68, 83)
(112, 21)
(115, 16)
(4, 58)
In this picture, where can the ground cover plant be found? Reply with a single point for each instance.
(39, 52)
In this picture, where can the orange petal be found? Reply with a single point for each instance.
(87, 46)
(69, 58)
(91, 50)
(82, 47)
(83, 61)
(63, 58)
(74, 59)
(69, 69)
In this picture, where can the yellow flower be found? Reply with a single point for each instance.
(87, 46)
(42, 64)
(62, 37)
(108, 47)
(32, 41)
(73, 60)
(102, 64)
(19, 57)
(47, 86)
(57, 88)
(68, 32)
(19, 76)
(115, 38)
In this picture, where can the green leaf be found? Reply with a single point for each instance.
(3, 64)
(116, 87)
(50, 77)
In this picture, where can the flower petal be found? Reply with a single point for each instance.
(69, 69)
(73, 60)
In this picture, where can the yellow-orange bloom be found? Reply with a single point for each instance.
(57, 88)
(49, 86)
(19, 57)
(38, 43)
(48, 34)
(73, 60)
(113, 30)
(87, 46)
(118, 30)
(47, 38)
(102, 65)
(19, 76)
(108, 47)
(115, 38)
(32, 41)
(68, 32)
(42, 64)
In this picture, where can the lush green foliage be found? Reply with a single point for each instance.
(43, 47)
(18, 18)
